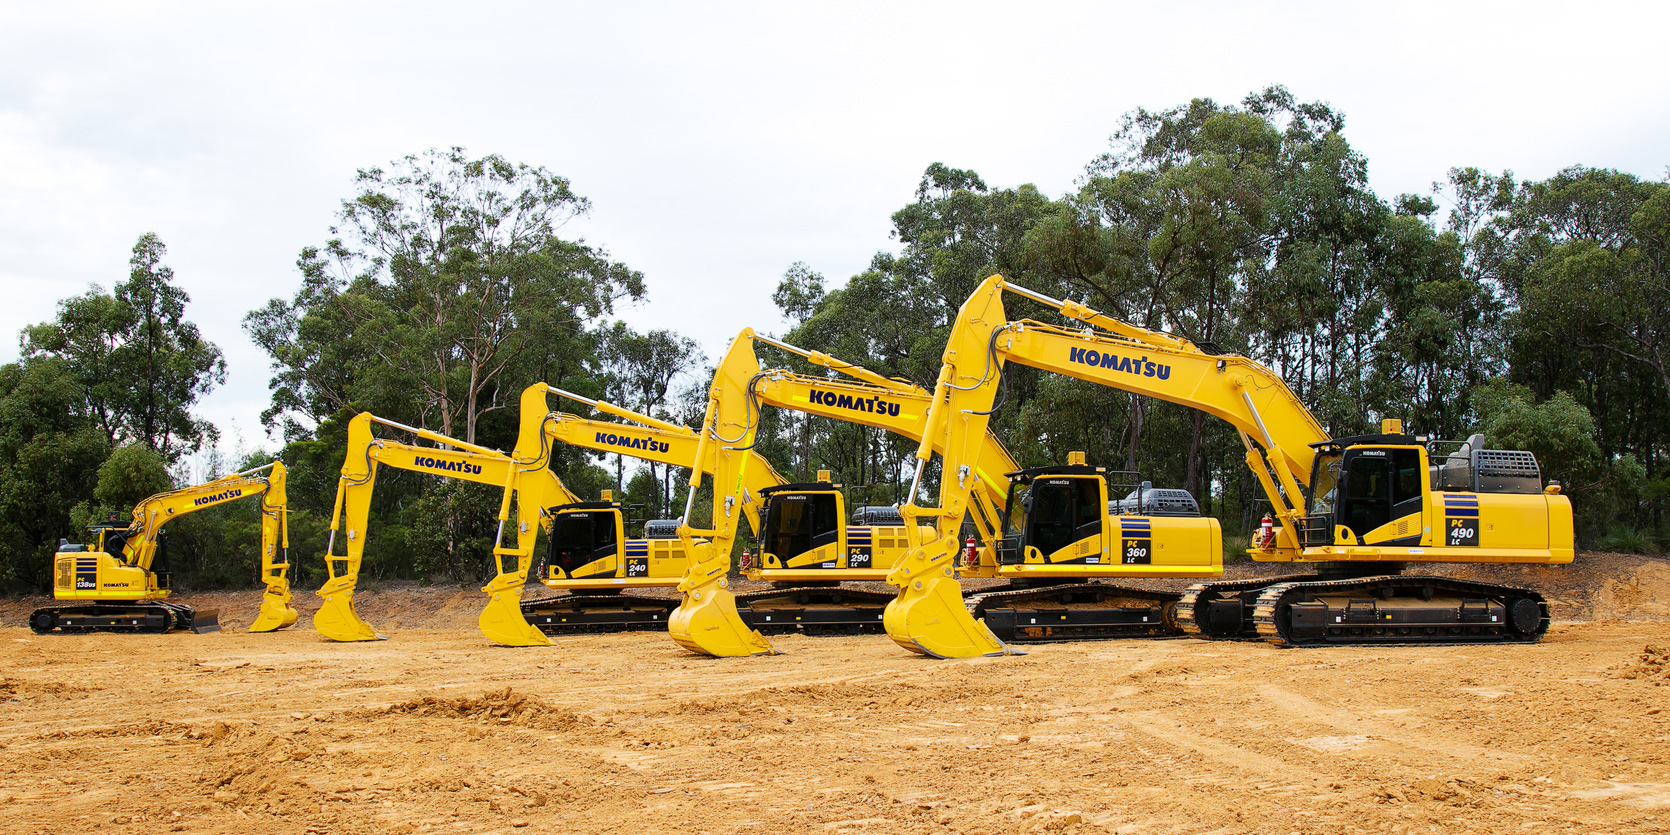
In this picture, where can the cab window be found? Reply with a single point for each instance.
(1063, 512)
(797, 524)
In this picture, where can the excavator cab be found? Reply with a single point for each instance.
(586, 542)
(101, 571)
(803, 530)
(1060, 516)
(1054, 515)
(588, 548)
(1389, 491)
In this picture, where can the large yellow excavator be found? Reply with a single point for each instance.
(109, 585)
(1360, 508)
(1065, 596)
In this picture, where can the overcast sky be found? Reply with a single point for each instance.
(719, 143)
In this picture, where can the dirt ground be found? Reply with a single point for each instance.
(435, 730)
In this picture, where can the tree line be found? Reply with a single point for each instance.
(1533, 311)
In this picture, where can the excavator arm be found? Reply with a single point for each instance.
(707, 621)
(897, 406)
(150, 515)
(502, 620)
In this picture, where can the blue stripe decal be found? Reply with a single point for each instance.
(1461, 512)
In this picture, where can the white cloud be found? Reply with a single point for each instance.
(720, 143)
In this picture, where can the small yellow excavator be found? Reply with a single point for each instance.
(1359, 508)
(110, 586)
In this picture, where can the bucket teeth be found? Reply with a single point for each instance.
(276, 612)
(707, 622)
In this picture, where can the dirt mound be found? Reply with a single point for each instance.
(499, 707)
(1639, 594)
(1653, 665)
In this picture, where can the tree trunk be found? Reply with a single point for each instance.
(1191, 482)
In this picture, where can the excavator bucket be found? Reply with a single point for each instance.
(502, 621)
(929, 617)
(337, 619)
(707, 621)
(276, 611)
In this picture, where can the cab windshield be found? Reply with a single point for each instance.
(579, 538)
(1324, 486)
(1014, 508)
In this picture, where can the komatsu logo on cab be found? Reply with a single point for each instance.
(1142, 367)
(218, 497)
(631, 443)
(873, 405)
(447, 466)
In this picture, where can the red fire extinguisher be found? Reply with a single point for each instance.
(971, 557)
(1266, 532)
(747, 561)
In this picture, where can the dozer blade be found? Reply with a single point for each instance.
(337, 619)
(929, 617)
(276, 612)
(707, 622)
(502, 621)
(203, 620)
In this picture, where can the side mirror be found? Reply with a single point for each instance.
(1026, 505)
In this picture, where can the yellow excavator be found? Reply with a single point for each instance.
(501, 620)
(706, 620)
(110, 586)
(1050, 596)
(1359, 508)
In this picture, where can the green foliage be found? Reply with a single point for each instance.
(1560, 431)
(443, 289)
(130, 475)
(139, 363)
(50, 451)
(1630, 540)
(449, 533)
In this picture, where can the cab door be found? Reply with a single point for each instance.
(1384, 496)
(804, 530)
(1064, 520)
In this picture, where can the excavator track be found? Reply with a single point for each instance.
(1398, 609)
(1076, 612)
(576, 614)
(1221, 610)
(814, 610)
(144, 617)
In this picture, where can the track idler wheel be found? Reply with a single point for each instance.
(1525, 616)
(706, 622)
(929, 616)
(337, 619)
(43, 622)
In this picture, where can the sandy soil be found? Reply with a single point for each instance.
(435, 730)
